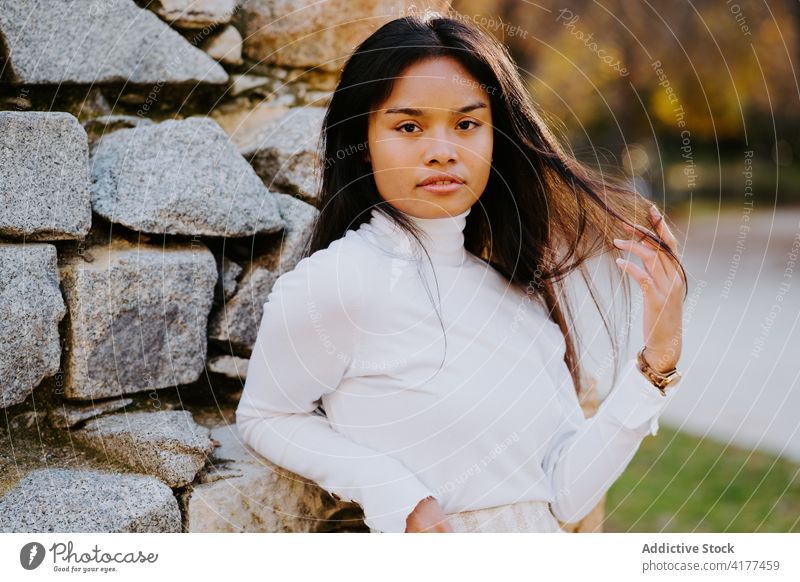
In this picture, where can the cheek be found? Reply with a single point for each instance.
(488, 144)
(389, 153)
(479, 152)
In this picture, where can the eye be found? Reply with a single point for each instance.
(406, 125)
(469, 121)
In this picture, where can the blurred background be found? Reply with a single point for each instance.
(632, 83)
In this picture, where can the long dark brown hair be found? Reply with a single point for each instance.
(543, 213)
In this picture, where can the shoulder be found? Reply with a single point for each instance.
(335, 279)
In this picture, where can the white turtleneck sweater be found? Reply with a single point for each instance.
(459, 392)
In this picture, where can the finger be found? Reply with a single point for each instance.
(674, 280)
(663, 230)
(649, 257)
(643, 279)
(641, 233)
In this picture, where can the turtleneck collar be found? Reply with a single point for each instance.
(443, 238)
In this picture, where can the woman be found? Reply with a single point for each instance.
(419, 360)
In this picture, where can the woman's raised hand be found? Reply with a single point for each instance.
(428, 517)
(663, 291)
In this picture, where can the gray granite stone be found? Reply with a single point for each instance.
(72, 501)
(105, 124)
(243, 83)
(229, 277)
(233, 367)
(286, 150)
(299, 33)
(31, 308)
(236, 323)
(138, 316)
(98, 41)
(168, 445)
(193, 14)
(44, 176)
(225, 47)
(180, 177)
(241, 491)
(67, 415)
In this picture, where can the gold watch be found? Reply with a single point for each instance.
(659, 380)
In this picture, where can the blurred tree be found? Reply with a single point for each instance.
(724, 61)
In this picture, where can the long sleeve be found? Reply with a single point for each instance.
(589, 455)
(303, 349)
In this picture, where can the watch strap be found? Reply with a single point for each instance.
(659, 380)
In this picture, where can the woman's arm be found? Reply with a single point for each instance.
(304, 346)
(588, 455)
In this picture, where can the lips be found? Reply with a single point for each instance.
(450, 178)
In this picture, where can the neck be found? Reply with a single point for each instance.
(443, 238)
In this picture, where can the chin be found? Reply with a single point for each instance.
(436, 206)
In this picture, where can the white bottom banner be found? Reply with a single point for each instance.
(333, 557)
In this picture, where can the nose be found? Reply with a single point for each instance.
(440, 150)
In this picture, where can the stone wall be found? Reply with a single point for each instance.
(155, 180)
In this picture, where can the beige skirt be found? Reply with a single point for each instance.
(522, 517)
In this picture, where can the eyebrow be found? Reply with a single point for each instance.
(421, 113)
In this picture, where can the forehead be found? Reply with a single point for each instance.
(438, 86)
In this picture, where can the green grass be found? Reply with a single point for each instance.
(681, 483)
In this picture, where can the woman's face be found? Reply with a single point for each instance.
(437, 120)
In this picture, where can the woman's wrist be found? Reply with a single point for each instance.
(660, 377)
(661, 363)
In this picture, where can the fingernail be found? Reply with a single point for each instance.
(618, 241)
(619, 261)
